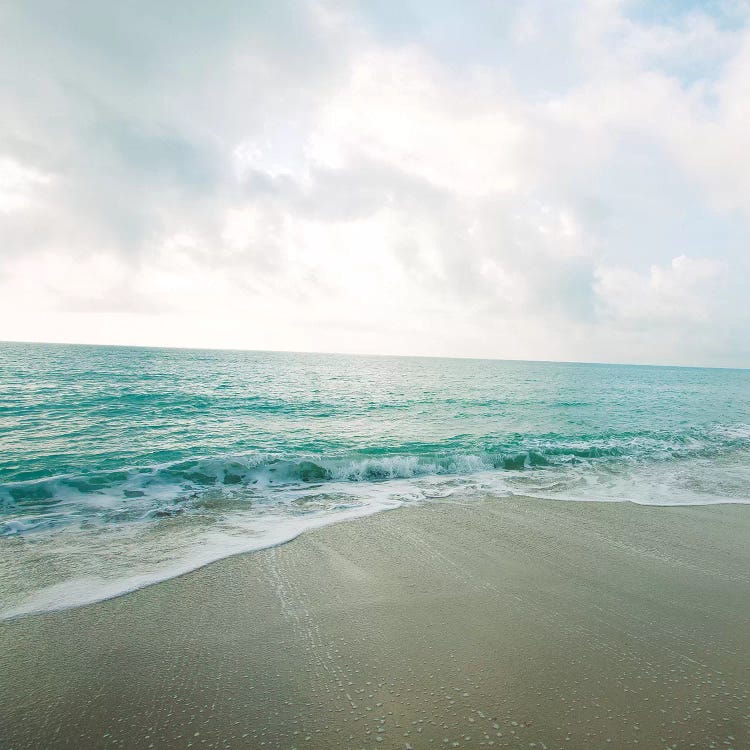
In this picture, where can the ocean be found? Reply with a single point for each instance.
(121, 467)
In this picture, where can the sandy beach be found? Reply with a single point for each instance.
(507, 623)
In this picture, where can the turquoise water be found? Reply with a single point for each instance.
(124, 466)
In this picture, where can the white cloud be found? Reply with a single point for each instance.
(683, 292)
(18, 184)
(318, 180)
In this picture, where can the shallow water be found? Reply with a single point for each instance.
(123, 466)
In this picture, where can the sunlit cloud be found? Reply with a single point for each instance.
(524, 182)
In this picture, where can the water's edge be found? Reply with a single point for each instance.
(36, 608)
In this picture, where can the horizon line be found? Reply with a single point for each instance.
(380, 354)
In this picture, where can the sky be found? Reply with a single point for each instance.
(521, 180)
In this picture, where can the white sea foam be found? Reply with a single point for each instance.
(134, 554)
(123, 467)
(235, 535)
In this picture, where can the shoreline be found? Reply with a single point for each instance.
(321, 522)
(31, 609)
(551, 620)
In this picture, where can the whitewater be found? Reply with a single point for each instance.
(121, 467)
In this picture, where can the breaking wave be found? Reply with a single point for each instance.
(121, 467)
(196, 484)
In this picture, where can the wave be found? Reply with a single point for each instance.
(166, 489)
(114, 531)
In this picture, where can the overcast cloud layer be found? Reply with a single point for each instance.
(565, 180)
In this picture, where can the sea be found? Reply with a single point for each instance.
(121, 467)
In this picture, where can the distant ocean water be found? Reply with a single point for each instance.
(120, 466)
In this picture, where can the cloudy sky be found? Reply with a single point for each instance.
(490, 178)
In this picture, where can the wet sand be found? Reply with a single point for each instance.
(498, 623)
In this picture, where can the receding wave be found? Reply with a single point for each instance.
(116, 530)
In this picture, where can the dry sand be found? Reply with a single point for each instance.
(496, 623)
